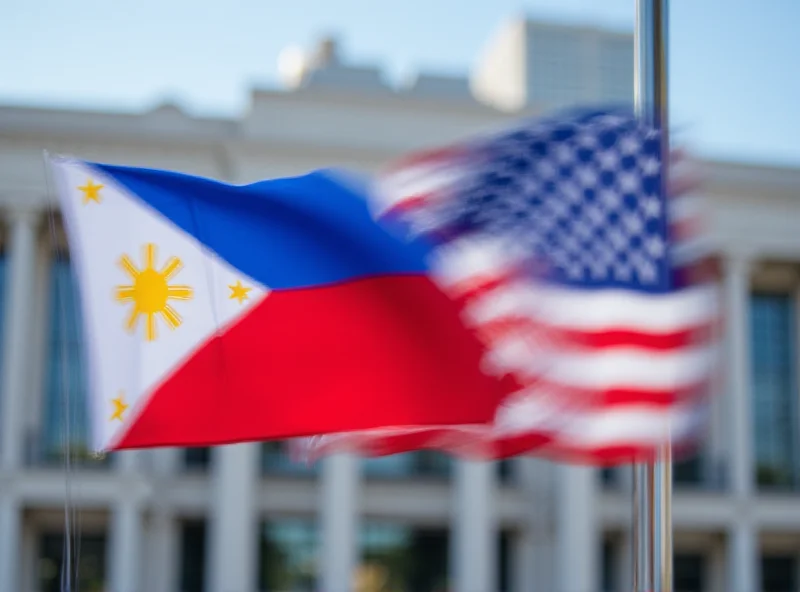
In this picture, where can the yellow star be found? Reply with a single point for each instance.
(91, 192)
(151, 291)
(239, 292)
(119, 407)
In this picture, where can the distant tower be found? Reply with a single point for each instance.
(326, 53)
(544, 66)
(295, 64)
(323, 67)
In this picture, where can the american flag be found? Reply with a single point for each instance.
(583, 269)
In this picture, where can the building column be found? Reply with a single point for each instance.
(532, 551)
(233, 534)
(10, 542)
(744, 559)
(474, 555)
(740, 435)
(126, 546)
(128, 462)
(126, 525)
(162, 552)
(167, 462)
(743, 552)
(163, 529)
(578, 540)
(339, 521)
(16, 338)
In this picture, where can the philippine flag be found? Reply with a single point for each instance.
(217, 313)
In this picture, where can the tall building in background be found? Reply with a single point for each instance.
(542, 66)
(245, 518)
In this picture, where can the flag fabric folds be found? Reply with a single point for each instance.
(586, 274)
(217, 313)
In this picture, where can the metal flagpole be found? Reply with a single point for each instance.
(652, 482)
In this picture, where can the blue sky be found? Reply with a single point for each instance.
(735, 90)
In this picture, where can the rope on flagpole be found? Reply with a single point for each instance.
(70, 564)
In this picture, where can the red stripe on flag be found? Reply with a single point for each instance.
(352, 356)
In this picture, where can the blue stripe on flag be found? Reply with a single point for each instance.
(288, 233)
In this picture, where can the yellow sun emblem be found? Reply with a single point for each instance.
(151, 292)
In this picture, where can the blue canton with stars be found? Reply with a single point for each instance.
(579, 193)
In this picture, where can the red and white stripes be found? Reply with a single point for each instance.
(604, 377)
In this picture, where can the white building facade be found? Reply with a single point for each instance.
(245, 518)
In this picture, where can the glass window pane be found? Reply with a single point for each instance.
(277, 459)
(608, 568)
(688, 471)
(422, 463)
(65, 405)
(779, 573)
(773, 389)
(430, 463)
(89, 564)
(506, 471)
(504, 542)
(288, 555)
(398, 558)
(193, 555)
(197, 459)
(395, 465)
(689, 570)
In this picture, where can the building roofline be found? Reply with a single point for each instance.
(41, 121)
(531, 21)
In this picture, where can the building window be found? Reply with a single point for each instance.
(197, 459)
(88, 563)
(288, 556)
(609, 566)
(688, 471)
(402, 559)
(779, 573)
(277, 459)
(689, 572)
(430, 463)
(422, 463)
(506, 471)
(193, 556)
(65, 404)
(504, 560)
(774, 389)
